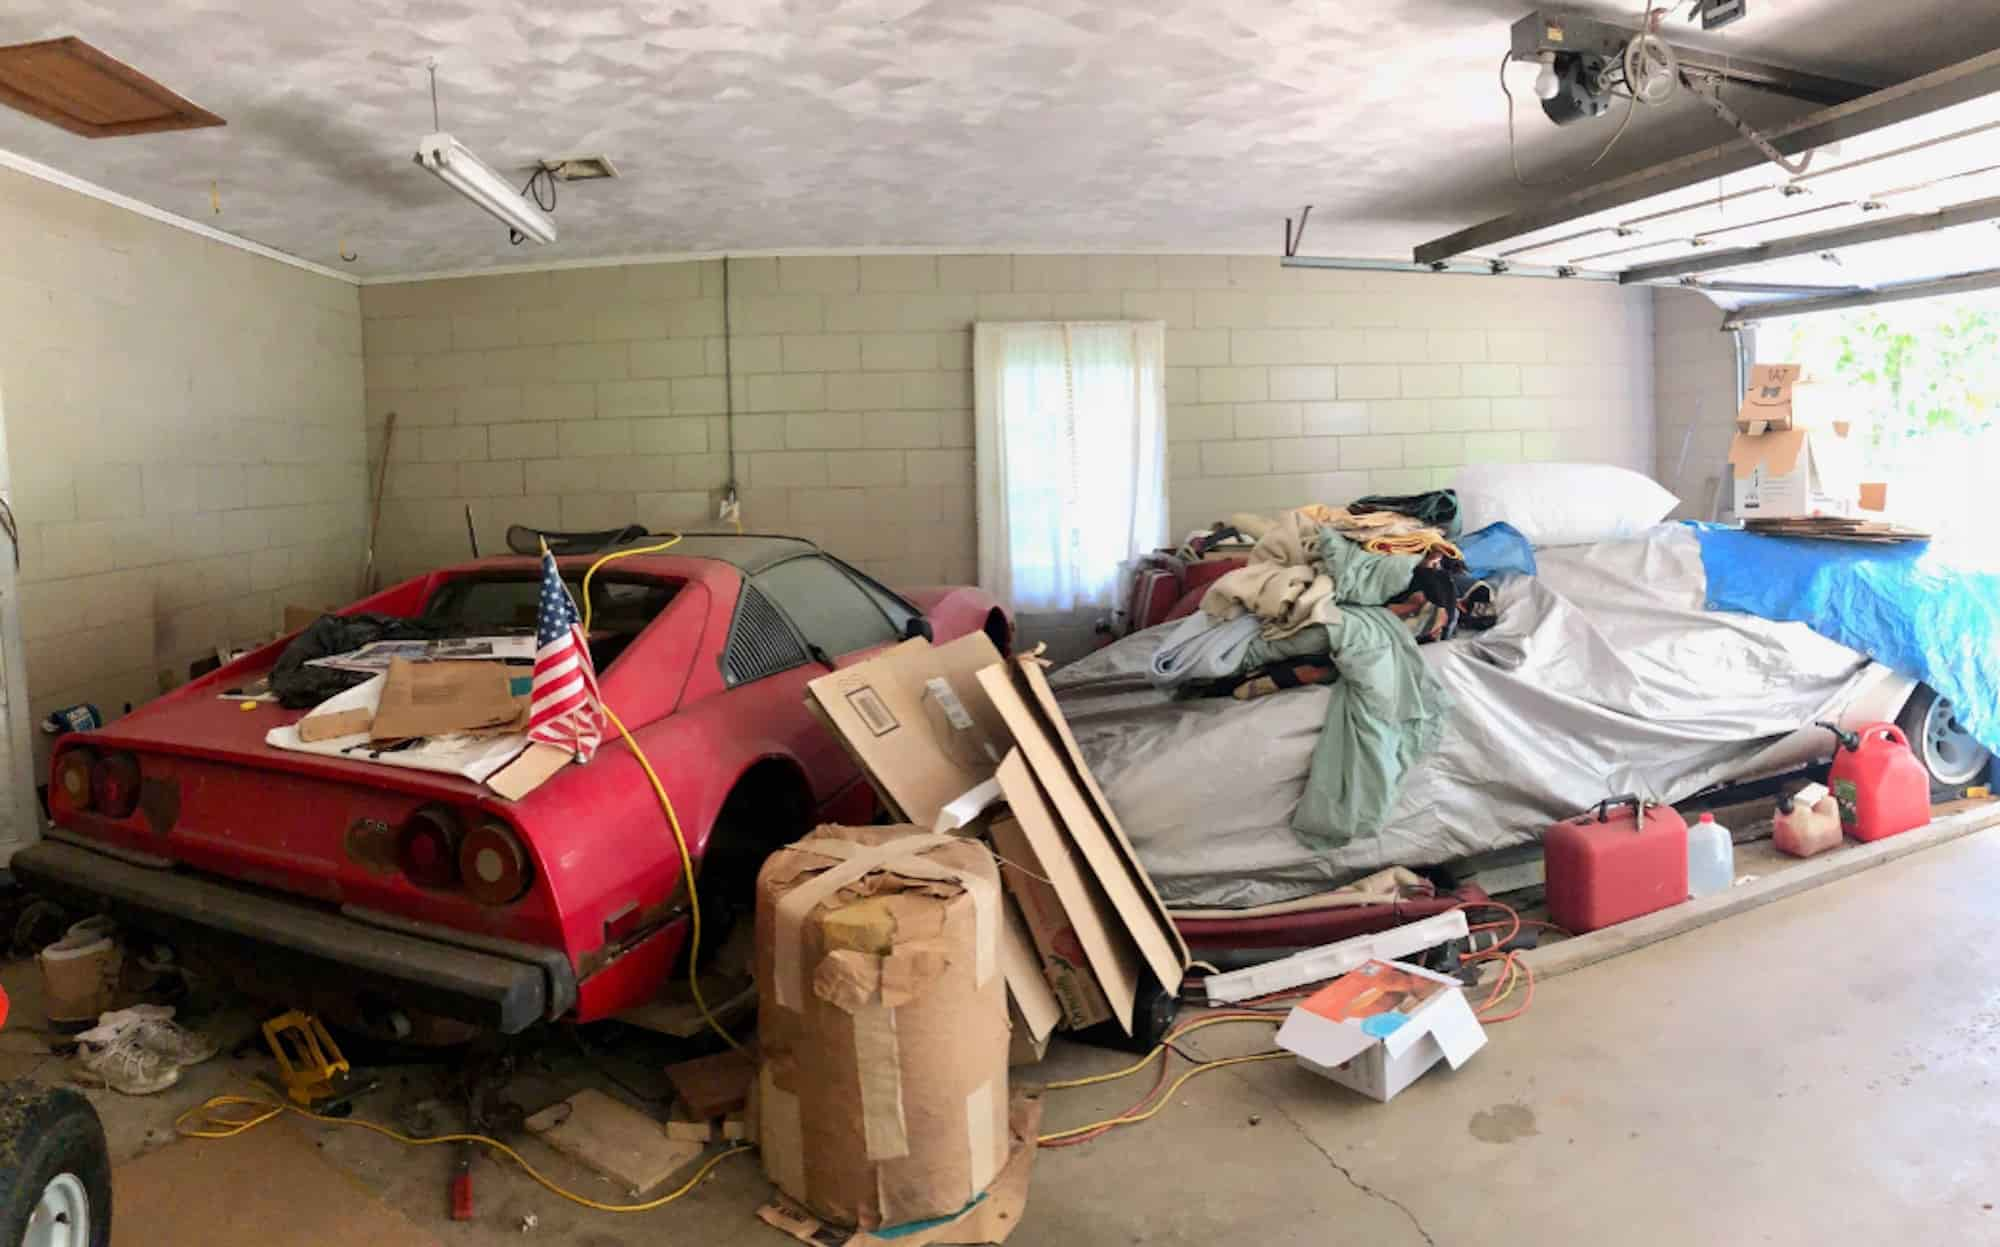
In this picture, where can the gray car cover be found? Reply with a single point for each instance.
(1604, 675)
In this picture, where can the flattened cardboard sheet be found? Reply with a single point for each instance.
(1022, 695)
(919, 749)
(1030, 844)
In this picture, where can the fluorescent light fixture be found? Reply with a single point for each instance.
(467, 174)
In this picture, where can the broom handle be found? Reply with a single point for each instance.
(375, 516)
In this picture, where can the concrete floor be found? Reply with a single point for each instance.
(1820, 1071)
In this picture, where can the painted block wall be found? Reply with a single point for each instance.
(184, 438)
(1695, 397)
(586, 398)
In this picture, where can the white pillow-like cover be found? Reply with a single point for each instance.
(1561, 504)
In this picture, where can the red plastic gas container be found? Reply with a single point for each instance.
(1881, 787)
(1609, 865)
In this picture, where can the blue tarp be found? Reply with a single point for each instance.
(1495, 550)
(1905, 606)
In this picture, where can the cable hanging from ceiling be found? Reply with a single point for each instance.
(524, 213)
(1647, 73)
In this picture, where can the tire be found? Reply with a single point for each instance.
(53, 1164)
(1953, 759)
(756, 821)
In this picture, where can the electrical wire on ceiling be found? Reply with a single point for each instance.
(1650, 71)
(1513, 152)
(544, 177)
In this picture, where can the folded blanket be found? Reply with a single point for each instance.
(1284, 599)
(1202, 648)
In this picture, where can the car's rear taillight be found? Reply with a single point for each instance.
(73, 777)
(427, 848)
(494, 865)
(114, 784)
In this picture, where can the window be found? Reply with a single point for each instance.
(1928, 371)
(1071, 450)
(900, 613)
(829, 608)
(490, 605)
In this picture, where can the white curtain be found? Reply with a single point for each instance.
(1072, 462)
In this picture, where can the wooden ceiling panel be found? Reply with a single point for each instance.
(68, 83)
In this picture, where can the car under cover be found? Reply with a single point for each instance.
(1604, 675)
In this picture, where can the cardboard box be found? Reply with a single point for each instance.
(882, 1011)
(1782, 397)
(1796, 472)
(439, 698)
(335, 723)
(916, 721)
(925, 751)
(1085, 953)
(1021, 693)
(1059, 946)
(1378, 1028)
(1032, 1008)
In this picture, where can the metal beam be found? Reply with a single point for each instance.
(1812, 244)
(1468, 268)
(1568, 32)
(1769, 287)
(1962, 283)
(1954, 84)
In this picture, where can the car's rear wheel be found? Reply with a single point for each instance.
(55, 1182)
(1942, 743)
(766, 811)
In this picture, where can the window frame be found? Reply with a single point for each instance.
(864, 586)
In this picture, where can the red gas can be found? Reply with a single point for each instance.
(1881, 787)
(1625, 858)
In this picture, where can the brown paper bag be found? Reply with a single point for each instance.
(437, 698)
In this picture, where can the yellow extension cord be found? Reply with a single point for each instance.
(211, 1124)
(666, 802)
(1166, 1098)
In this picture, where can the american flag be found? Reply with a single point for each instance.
(563, 709)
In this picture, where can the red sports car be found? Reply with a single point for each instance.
(336, 883)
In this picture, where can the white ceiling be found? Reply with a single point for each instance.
(1125, 125)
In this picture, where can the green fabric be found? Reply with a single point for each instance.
(1384, 712)
(1362, 577)
(1312, 641)
(1438, 508)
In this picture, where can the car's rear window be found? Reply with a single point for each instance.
(495, 605)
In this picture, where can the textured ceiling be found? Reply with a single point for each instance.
(769, 124)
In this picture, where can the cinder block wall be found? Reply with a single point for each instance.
(1695, 397)
(184, 435)
(585, 398)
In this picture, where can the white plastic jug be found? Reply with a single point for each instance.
(1711, 858)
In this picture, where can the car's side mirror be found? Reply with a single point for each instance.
(918, 626)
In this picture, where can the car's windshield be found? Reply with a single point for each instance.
(499, 604)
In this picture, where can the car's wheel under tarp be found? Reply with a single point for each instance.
(1954, 759)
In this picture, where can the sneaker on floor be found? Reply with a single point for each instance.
(126, 1067)
(116, 1022)
(174, 1042)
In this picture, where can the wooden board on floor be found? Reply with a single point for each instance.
(1948, 822)
(617, 1141)
(269, 1187)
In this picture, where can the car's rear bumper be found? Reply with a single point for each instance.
(497, 984)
